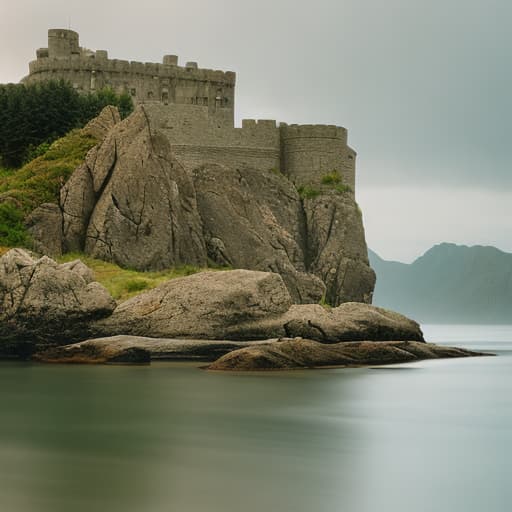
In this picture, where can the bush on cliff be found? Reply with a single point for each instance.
(36, 114)
(38, 182)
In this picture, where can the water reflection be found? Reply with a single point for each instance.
(173, 438)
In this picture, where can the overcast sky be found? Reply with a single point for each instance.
(423, 86)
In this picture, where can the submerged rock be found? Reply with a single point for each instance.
(302, 353)
(104, 350)
(46, 303)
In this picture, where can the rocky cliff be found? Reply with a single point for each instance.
(134, 204)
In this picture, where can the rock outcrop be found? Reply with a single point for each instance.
(337, 248)
(133, 203)
(247, 305)
(45, 227)
(204, 305)
(302, 353)
(255, 220)
(44, 302)
(129, 348)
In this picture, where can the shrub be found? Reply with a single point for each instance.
(12, 228)
(308, 192)
(342, 189)
(332, 178)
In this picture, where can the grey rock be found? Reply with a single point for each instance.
(77, 200)
(103, 123)
(348, 322)
(337, 248)
(44, 302)
(102, 350)
(303, 353)
(254, 220)
(45, 227)
(204, 305)
(248, 305)
(145, 214)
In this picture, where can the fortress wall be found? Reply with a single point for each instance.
(197, 138)
(311, 151)
(145, 82)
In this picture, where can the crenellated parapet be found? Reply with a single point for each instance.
(309, 152)
(194, 107)
(165, 82)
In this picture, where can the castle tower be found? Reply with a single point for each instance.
(309, 152)
(62, 43)
(146, 82)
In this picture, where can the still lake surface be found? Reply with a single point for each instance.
(423, 437)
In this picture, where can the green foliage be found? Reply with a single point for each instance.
(342, 189)
(308, 192)
(125, 283)
(332, 178)
(35, 151)
(38, 182)
(136, 285)
(35, 114)
(12, 229)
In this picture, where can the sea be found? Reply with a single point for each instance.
(432, 436)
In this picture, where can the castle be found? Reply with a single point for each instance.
(195, 108)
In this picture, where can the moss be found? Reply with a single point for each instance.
(308, 192)
(342, 189)
(332, 178)
(38, 182)
(125, 283)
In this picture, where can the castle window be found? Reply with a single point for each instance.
(350, 157)
(133, 92)
(165, 97)
(205, 101)
(150, 95)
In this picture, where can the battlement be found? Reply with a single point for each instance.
(146, 82)
(101, 63)
(194, 108)
(313, 131)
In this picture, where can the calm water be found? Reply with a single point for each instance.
(430, 436)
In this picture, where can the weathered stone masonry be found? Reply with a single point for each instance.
(195, 109)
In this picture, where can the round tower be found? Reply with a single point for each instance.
(62, 43)
(309, 153)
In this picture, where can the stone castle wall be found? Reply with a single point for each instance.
(195, 109)
(146, 82)
(311, 151)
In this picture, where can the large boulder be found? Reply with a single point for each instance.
(46, 303)
(302, 353)
(351, 321)
(45, 227)
(205, 305)
(132, 203)
(248, 305)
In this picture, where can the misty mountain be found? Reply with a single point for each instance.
(448, 284)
